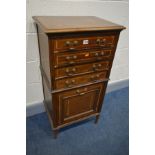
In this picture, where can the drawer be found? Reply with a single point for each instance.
(81, 69)
(78, 103)
(79, 80)
(84, 42)
(74, 58)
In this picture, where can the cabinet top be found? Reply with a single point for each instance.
(58, 24)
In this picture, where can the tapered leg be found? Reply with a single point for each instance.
(55, 132)
(97, 118)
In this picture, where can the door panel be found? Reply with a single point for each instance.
(79, 103)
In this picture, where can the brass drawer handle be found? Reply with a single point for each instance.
(67, 84)
(73, 81)
(70, 72)
(99, 65)
(95, 68)
(81, 93)
(75, 43)
(74, 70)
(96, 54)
(70, 84)
(95, 78)
(68, 58)
(104, 40)
(71, 62)
(74, 57)
(98, 41)
(67, 43)
(102, 53)
(71, 48)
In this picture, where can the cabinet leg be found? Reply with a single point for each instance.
(96, 119)
(55, 132)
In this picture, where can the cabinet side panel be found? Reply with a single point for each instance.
(44, 54)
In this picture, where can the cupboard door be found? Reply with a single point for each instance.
(79, 103)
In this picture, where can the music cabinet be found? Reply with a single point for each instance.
(76, 56)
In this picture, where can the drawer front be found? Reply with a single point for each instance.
(79, 80)
(81, 69)
(74, 58)
(84, 42)
(79, 103)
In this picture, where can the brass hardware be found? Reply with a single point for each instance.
(98, 41)
(68, 58)
(75, 42)
(86, 55)
(67, 82)
(67, 70)
(94, 65)
(71, 48)
(73, 81)
(69, 74)
(102, 53)
(73, 69)
(67, 43)
(97, 76)
(104, 40)
(77, 91)
(82, 93)
(92, 77)
(71, 62)
(74, 57)
(99, 65)
(96, 54)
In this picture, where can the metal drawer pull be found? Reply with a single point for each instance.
(75, 43)
(67, 43)
(104, 40)
(99, 65)
(74, 70)
(98, 41)
(82, 93)
(70, 84)
(94, 78)
(67, 70)
(71, 62)
(102, 53)
(73, 81)
(96, 54)
(68, 58)
(71, 48)
(74, 57)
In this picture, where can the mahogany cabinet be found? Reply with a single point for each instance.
(76, 56)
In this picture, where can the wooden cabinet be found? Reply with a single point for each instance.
(76, 56)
